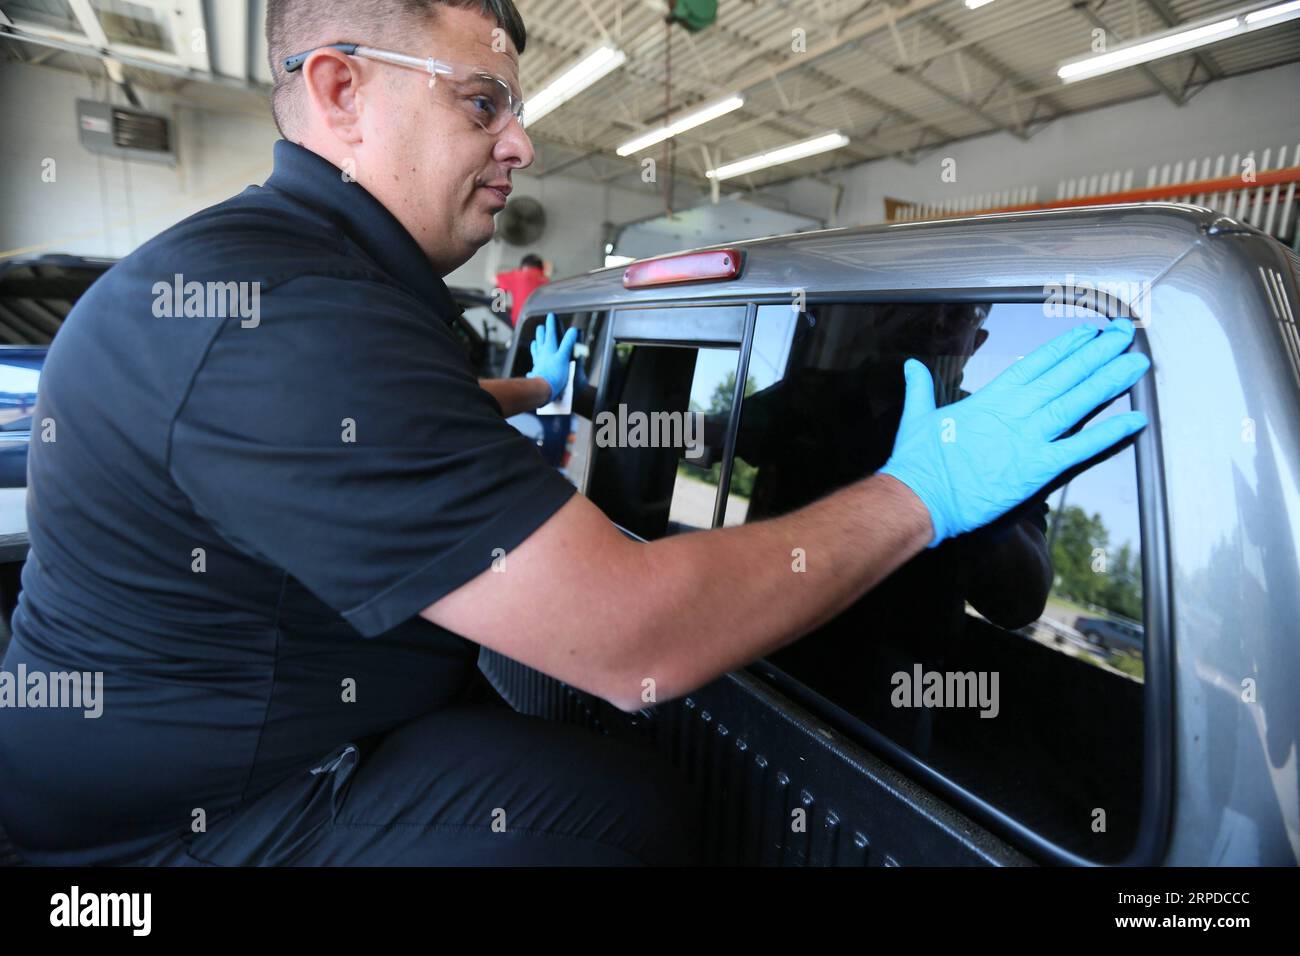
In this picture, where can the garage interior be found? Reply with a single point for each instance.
(921, 108)
(662, 126)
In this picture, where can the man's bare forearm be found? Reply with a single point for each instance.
(581, 602)
(719, 600)
(517, 395)
(584, 604)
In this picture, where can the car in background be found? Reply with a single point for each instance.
(20, 370)
(1110, 633)
(1177, 549)
(36, 295)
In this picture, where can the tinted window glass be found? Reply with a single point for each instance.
(659, 437)
(1009, 659)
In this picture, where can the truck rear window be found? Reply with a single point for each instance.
(658, 443)
(1009, 660)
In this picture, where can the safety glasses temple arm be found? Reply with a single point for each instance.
(429, 64)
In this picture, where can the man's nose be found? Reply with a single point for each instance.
(513, 147)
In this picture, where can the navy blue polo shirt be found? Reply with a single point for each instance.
(239, 518)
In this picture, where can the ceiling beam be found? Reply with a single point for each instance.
(16, 34)
(871, 25)
(90, 25)
(1044, 12)
(790, 126)
(973, 108)
(789, 120)
(1091, 15)
(829, 84)
(1167, 16)
(948, 35)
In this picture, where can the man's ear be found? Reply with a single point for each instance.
(332, 80)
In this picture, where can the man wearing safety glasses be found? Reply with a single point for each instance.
(284, 541)
(252, 562)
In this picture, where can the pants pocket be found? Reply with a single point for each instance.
(338, 768)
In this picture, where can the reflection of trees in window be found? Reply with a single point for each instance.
(720, 402)
(1076, 538)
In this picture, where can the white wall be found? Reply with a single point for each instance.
(105, 206)
(1236, 115)
(99, 205)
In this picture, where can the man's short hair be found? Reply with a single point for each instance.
(531, 260)
(294, 26)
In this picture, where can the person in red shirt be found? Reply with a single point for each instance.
(521, 282)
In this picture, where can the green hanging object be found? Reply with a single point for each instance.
(695, 15)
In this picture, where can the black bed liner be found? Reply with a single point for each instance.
(753, 757)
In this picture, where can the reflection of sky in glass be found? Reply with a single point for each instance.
(1109, 489)
(1014, 330)
(772, 339)
(712, 366)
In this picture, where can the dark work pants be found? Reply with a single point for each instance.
(474, 784)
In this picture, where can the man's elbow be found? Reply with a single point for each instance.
(642, 682)
(628, 704)
(630, 689)
(648, 696)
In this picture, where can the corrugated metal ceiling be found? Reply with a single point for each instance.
(896, 76)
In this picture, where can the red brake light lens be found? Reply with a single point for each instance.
(688, 267)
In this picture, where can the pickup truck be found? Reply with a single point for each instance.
(955, 715)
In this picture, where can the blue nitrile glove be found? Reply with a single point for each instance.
(551, 358)
(999, 446)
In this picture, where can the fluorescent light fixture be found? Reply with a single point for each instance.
(784, 154)
(976, 4)
(682, 124)
(1270, 13)
(613, 260)
(1179, 40)
(569, 83)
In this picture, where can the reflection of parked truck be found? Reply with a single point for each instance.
(1113, 634)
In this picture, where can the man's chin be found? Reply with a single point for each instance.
(471, 242)
(484, 232)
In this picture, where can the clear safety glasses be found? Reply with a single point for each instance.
(484, 97)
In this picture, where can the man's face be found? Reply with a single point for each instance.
(429, 163)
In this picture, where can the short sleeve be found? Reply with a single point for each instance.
(345, 439)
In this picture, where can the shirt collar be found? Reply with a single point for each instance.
(319, 184)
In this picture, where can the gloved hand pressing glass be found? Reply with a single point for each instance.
(551, 358)
(976, 459)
